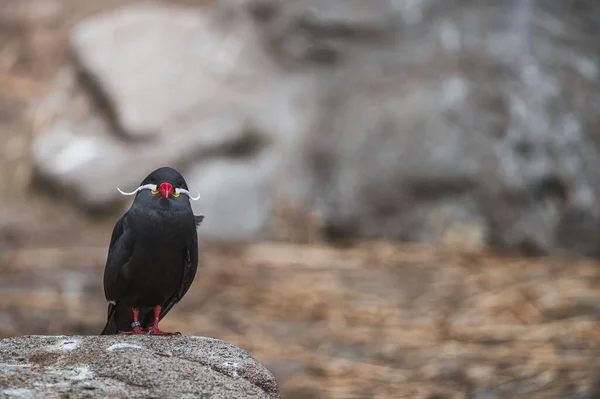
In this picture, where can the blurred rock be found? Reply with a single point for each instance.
(152, 64)
(141, 366)
(190, 88)
(324, 32)
(456, 122)
(485, 121)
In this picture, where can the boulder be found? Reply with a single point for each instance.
(324, 32)
(133, 367)
(479, 129)
(152, 84)
(455, 122)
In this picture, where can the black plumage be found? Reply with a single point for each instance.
(152, 256)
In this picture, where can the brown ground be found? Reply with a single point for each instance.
(376, 320)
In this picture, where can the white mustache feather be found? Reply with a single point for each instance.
(154, 188)
(186, 192)
(140, 188)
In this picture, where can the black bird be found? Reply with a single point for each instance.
(153, 255)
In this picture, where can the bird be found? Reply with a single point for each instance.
(152, 256)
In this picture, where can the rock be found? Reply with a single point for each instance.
(445, 122)
(80, 156)
(137, 366)
(324, 32)
(212, 106)
(482, 125)
(153, 63)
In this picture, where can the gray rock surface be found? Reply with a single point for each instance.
(134, 366)
(437, 121)
(153, 85)
(489, 134)
(324, 32)
(154, 63)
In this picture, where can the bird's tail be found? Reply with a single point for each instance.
(111, 325)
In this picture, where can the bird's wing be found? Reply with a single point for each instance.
(119, 253)
(191, 265)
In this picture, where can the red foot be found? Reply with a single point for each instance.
(136, 330)
(156, 331)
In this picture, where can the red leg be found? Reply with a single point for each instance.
(137, 329)
(154, 330)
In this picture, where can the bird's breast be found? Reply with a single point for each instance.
(163, 225)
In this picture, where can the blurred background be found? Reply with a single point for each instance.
(401, 197)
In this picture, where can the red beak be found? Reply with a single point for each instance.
(165, 189)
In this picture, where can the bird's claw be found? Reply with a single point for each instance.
(156, 331)
(136, 330)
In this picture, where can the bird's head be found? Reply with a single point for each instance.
(164, 182)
